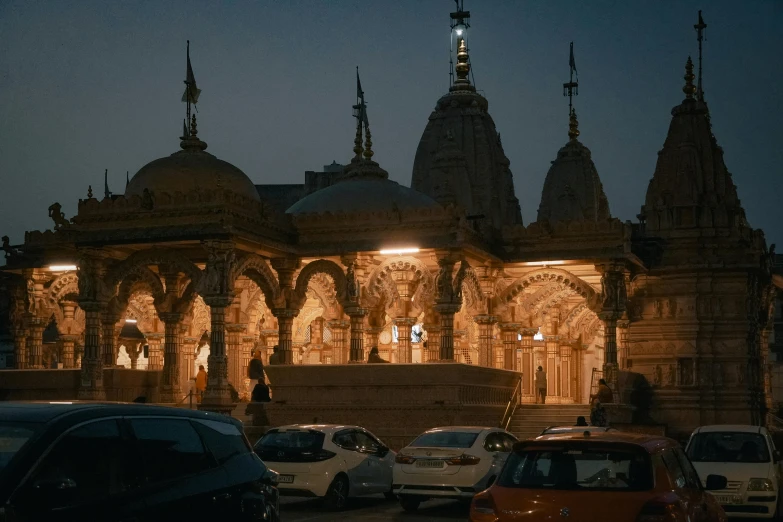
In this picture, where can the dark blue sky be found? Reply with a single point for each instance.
(90, 85)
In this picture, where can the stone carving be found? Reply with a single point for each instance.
(613, 292)
(217, 279)
(658, 375)
(671, 375)
(351, 284)
(658, 309)
(31, 303)
(58, 216)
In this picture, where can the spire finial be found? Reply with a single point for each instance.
(368, 153)
(700, 27)
(571, 88)
(89, 191)
(573, 125)
(689, 89)
(463, 65)
(360, 113)
(106, 191)
(127, 179)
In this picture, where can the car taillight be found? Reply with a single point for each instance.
(482, 509)
(463, 460)
(404, 459)
(657, 511)
(324, 455)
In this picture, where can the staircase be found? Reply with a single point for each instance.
(530, 420)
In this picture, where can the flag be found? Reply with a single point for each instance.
(360, 96)
(571, 61)
(192, 92)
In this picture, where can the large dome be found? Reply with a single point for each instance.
(190, 169)
(362, 195)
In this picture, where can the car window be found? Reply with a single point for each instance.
(90, 462)
(691, 476)
(14, 435)
(726, 446)
(223, 440)
(495, 442)
(291, 446)
(346, 439)
(169, 448)
(673, 467)
(445, 439)
(594, 468)
(365, 442)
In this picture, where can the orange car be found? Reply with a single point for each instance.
(599, 477)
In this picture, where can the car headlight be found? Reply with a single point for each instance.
(760, 484)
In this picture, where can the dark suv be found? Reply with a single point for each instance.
(128, 462)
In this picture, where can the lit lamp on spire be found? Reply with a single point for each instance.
(460, 22)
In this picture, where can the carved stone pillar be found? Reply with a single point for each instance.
(486, 325)
(92, 369)
(35, 327)
(187, 370)
(446, 312)
(270, 338)
(339, 341)
(20, 348)
(357, 316)
(109, 346)
(285, 324)
(622, 343)
(248, 342)
(170, 385)
(404, 349)
(433, 342)
(155, 351)
(234, 354)
(67, 343)
(566, 374)
(528, 363)
(217, 395)
(613, 301)
(134, 350)
(510, 332)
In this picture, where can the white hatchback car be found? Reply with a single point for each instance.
(329, 461)
(450, 462)
(747, 457)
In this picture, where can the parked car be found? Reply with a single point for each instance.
(450, 462)
(748, 458)
(596, 477)
(554, 430)
(333, 462)
(118, 462)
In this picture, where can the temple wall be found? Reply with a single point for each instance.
(63, 385)
(395, 402)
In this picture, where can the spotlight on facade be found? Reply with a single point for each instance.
(130, 321)
(61, 268)
(399, 251)
(544, 263)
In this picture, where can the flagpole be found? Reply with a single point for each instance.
(187, 90)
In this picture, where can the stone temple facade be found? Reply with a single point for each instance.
(196, 264)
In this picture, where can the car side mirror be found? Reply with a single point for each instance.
(270, 477)
(715, 482)
(381, 451)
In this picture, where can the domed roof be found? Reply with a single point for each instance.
(190, 169)
(572, 189)
(461, 118)
(363, 187)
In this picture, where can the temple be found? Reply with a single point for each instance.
(196, 264)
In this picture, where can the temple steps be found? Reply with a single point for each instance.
(530, 420)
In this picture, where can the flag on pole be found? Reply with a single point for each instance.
(360, 96)
(192, 92)
(571, 61)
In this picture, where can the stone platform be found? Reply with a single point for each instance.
(121, 384)
(394, 401)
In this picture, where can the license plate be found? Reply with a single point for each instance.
(285, 479)
(728, 499)
(429, 463)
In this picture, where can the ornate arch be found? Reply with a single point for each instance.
(65, 284)
(144, 258)
(321, 266)
(381, 285)
(257, 269)
(471, 290)
(549, 275)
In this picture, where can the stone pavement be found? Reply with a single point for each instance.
(374, 508)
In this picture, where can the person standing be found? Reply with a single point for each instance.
(541, 385)
(604, 394)
(255, 370)
(375, 357)
(201, 383)
(275, 357)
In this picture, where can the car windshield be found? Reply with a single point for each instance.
(13, 435)
(726, 446)
(593, 468)
(445, 439)
(291, 440)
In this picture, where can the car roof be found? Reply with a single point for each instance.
(552, 430)
(326, 428)
(45, 412)
(742, 428)
(650, 443)
(463, 429)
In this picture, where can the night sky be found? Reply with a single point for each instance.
(93, 85)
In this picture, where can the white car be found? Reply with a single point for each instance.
(333, 462)
(747, 457)
(450, 462)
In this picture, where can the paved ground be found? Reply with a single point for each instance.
(372, 509)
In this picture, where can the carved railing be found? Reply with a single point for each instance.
(597, 376)
(511, 407)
